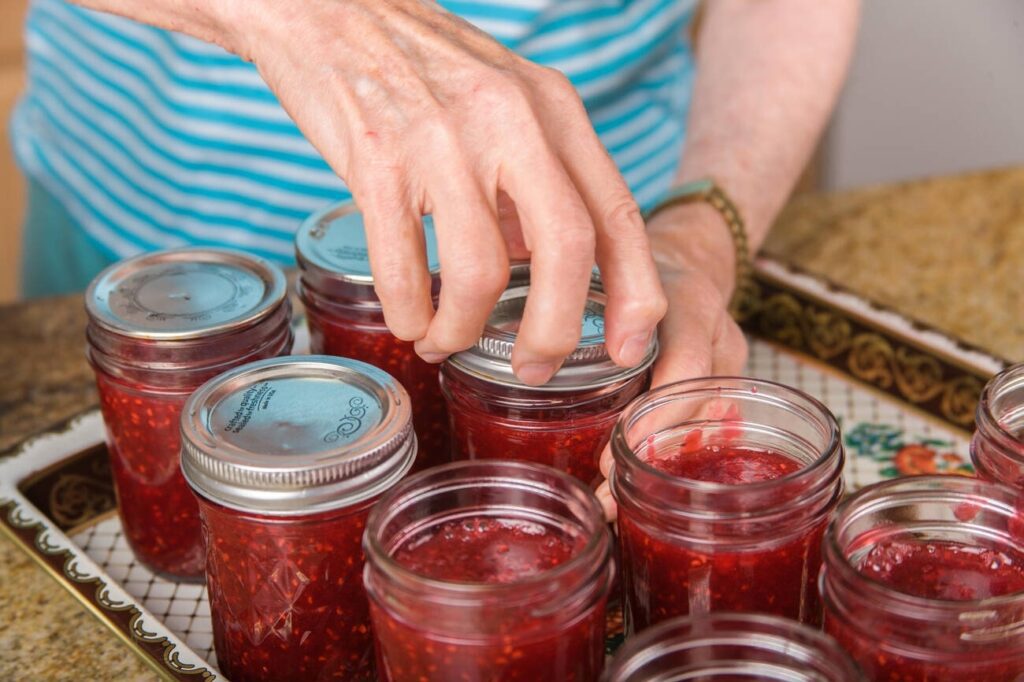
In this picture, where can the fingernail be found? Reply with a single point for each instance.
(634, 349)
(434, 358)
(536, 373)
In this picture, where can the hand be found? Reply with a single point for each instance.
(419, 112)
(698, 337)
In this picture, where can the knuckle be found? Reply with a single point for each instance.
(623, 213)
(451, 340)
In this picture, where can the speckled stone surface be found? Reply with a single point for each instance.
(949, 252)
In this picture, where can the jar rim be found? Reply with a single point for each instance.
(597, 543)
(873, 496)
(1011, 377)
(749, 630)
(714, 385)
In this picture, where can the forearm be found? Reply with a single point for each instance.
(768, 74)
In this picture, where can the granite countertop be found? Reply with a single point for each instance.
(947, 251)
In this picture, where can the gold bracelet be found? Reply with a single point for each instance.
(707, 190)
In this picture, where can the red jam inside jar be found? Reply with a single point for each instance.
(345, 317)
(488, 571)
(924, 580)
(159, 326)
(724, 488)
(566, 423)
(997, 448)
(732, 647)
(287, 457)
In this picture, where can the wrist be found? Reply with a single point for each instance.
(695, 237)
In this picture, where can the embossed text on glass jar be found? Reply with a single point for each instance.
(724, 487)
(732, 646)
(345, 316)
(565, 423)
(997, 449)
(286, 457)
(924, 580)
(489, 570)
(159, 326)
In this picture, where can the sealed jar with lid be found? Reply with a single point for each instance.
(286, 457)
(489, 571)
(724, 488)
(564, 423)
(346, 318)
(726, 647)
(924, 580)
(997, 449)
(159, 326)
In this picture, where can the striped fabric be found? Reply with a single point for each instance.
(153, 139)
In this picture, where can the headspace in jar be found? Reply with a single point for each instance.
(725, 647)
(286, 457)
(159, 326)
(346, 319)
(924, 580)
(489, 570)
(997, 449)
(564, 423)
(724, 488)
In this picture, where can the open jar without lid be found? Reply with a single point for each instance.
(924, 580)
(724, 488)
(489, 571)
(564, 423)
(726, 647)
(286, 457)
(345, 316)
(159, 326)
(997, 449)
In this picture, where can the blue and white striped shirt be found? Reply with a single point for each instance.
(152, 139)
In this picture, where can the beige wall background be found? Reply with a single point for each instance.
(12, 192)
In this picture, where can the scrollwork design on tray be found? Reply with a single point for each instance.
(75, 499)
(918, 376)
(871, 359)
(101, 599)
(960, 399)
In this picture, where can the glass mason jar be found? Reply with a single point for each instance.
(564, 423)
(159, 326)
(724, 488)
(286, 457)
(345, 316)
(729, 647)
(997, 449)
(923, 580)
(488, 571)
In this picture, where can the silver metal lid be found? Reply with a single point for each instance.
(519, 275)
(184, 294)
(295, 435)
(331, 250)
(589, 366)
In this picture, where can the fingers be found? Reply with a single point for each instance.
(560, 235)
(474, 264)
(395, 243)
(604, 496)
(636, 302)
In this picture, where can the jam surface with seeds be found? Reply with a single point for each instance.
(664, 578)
(286, 595)
(526, 645)
(945, 571)
(375, 345)
(158, 511)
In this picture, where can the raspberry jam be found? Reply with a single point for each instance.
(997, 449)
(159, 326)
(346, 319)
(565, 423)
(924, 580)
(724, 488)
(488, 571)
(286, 457)
(730, 647)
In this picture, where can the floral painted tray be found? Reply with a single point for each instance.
(904, 394)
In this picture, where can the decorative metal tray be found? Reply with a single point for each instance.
(904, 394)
